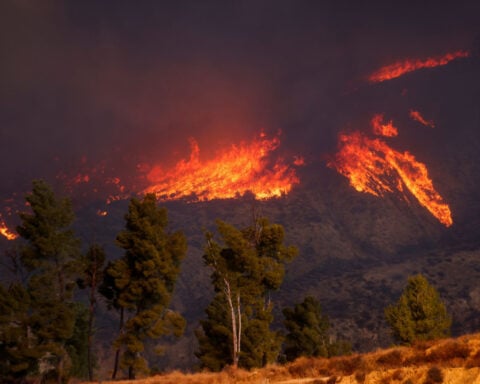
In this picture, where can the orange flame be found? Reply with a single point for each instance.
(381, 129)
(6, 232)
(232, 172)
(400, 68)
(415, 115)
(373, 167)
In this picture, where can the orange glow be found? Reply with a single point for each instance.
(298, 161)
(415, 115)
(231, 173)
(381, 129)
(6, 232)
(373, 167)
(400, 68)
(102, 213)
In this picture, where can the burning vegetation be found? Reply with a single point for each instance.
(402, 67)
(232, 172)
(372, 166)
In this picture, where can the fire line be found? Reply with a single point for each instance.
(231, 173)
(400, 68)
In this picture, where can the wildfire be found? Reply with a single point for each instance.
(233, 172)
(383, 129)
(6, 232)
(400, 68)
(373, 167)
(415, 115)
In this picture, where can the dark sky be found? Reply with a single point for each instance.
(128, 81)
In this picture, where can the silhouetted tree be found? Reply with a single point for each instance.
(92, 276)
(42, 312)
(144, 279)
(307, 330)
(419, 314)
(246, 266)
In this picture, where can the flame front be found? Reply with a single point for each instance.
(373, 167)
(400, 68)
(233, 172)
(417, 116)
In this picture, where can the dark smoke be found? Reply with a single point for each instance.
(127, 82)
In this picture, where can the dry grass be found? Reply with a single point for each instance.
(448, 360)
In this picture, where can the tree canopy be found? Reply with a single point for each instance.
(40, 315)
(419, 313)
(246, 266)
(142, 281)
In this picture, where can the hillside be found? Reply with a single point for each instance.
(454, 361)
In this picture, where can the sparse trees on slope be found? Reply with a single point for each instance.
(144, 279)
(419, 314)
(247, 266)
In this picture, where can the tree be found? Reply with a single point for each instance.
(307, 330)
(92, 276)
(419, 313)
(246, 267)
(19, 352)
(43, 308)
(144, 279)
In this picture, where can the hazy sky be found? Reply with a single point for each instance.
(129, 81)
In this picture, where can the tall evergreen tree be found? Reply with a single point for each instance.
(19, 352)
(247, 266)
(308, 332)
(46, 313)
(144, 279)
(419, 314)
(92, 276)
(113, 288)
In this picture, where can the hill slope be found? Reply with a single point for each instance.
(455, 361)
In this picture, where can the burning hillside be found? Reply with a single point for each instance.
(232, 172)
(372, 166)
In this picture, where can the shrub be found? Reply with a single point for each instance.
(434, 376)
(449, 351)
(360, 377)
(391, 359)
(473, 361)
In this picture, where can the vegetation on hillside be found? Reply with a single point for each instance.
(455, 361)
(47, 313)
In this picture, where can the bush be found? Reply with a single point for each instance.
(434, 376)
(449, 351)
(391, 359)
(360, 377)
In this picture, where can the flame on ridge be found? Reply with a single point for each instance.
(417, 116)
(5, 231)
(232, 172)
(400, 68)
(373, 167)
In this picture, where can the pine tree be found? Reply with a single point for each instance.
(44, 307)
(144, 279)
(307, 330)
(92, 276)
(419, 313)
(247, 266)
(19, 352)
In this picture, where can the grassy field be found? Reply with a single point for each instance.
(454, 361)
